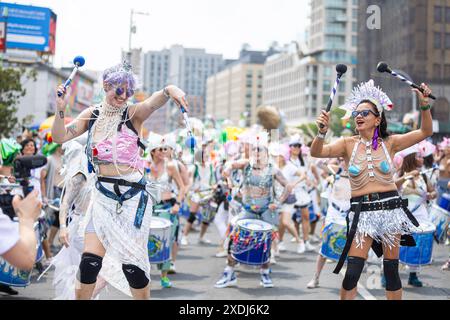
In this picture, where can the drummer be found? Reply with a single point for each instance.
(418, 190)
(257, 199)
(163, 172)
(203, 181)
(339, 206)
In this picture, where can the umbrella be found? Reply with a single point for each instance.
(48, 123)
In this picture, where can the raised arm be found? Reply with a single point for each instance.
(403, 141)
(145, 109)
(62, 133)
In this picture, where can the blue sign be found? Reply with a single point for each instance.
(28, 27)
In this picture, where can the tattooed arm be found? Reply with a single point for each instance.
(62, 133)
(287, 187)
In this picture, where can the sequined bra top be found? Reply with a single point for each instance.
(163, 180)
(370, 166)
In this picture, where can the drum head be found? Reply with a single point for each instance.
(254, 225)
(160, 223)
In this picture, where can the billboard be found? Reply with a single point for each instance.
(29, 27)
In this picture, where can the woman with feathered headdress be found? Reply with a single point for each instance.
(379, 216)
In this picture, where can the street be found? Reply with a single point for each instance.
(198, 270)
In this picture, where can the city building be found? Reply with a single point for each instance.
(187, 68)
(413, 37)
(235, 92)
(298, 80)
(40, 99)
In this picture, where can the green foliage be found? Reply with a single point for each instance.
(11, 91)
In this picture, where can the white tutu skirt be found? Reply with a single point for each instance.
(123, 242)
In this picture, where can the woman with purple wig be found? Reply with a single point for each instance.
(118, 219)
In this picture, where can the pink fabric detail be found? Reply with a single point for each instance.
(126, 149)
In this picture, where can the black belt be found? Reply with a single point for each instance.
(121, 182)
(358, 206)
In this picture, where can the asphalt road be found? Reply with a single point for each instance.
(198, 270)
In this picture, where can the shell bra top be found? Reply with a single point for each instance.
(370, 166)
(122, 149)
(263, 181)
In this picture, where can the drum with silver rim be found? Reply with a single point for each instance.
(251, 242)
(421, 254)
(440, 218)
(159, 247)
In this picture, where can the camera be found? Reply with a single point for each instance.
(22, 170)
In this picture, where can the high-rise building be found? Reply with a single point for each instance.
(413, 37)
(235, 92)
(186, 68)
(298, 80)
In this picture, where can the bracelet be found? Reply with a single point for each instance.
(63, 226)
(321, 135)
(425, 108)
(166, 93)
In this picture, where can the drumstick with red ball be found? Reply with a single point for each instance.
(341, 69)
(79, 61)
(384, 67)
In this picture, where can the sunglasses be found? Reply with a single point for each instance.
(120, 91)
(364, 113)
(162, 149)
(296, 145)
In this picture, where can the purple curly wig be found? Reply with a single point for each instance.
(119, 75)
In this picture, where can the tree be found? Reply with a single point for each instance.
(11, 91)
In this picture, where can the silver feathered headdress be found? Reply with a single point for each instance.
(367, 91)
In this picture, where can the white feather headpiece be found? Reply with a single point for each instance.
(367, 91)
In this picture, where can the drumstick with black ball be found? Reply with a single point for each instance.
(384, 67)
(341, 69)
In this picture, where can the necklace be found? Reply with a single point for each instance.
(109, 119)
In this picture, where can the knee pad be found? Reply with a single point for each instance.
(393, 282)
(136, 277)
(90, 267)
(355, 266)
(192, 217)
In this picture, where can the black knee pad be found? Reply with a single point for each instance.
(355, 266)
(393, 282)
(90, 267)
(192, 217)
(135, 276)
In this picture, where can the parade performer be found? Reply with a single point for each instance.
(295, 169)
(338, 208)
(163, 171)
(202, 189)
(76, 196)
(379, 217)
(258, 201)
(418, 190)
(119, 215)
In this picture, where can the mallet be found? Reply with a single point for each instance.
(78, 62)
(384, 67)
(341, 69)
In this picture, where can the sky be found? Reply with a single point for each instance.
(99, 29)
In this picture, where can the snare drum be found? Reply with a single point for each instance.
(440, 218)
(444, 202)
(208, 212)
(421, 254)
(251, 242)
(334, 237)
(159, 240)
